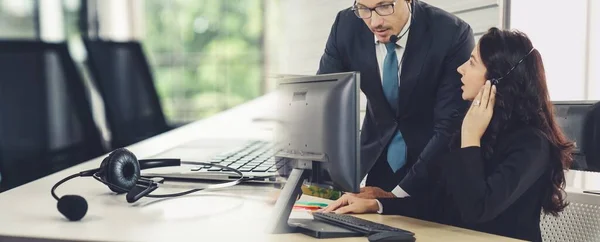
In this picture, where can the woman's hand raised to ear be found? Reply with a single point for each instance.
(478, 117)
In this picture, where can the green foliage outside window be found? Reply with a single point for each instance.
(206, 55)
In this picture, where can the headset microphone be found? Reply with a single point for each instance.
(73, 207)
(395, 38)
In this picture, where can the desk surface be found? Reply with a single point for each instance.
(235, 214)
(232, 214)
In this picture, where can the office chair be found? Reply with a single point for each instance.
(124, 79)
(580, 221)
(591, 138)
(46, 124)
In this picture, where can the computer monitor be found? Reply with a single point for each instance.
(571, 116)
(317, 135)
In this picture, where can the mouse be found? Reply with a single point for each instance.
(390, 236)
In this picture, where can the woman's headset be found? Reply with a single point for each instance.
(495, 81)
(120, 171)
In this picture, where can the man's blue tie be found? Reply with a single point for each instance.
(396, 154)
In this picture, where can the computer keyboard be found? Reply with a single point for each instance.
(354, 223)
(256, 156)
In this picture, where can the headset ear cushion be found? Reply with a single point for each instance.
(122, 170)
(103, 168)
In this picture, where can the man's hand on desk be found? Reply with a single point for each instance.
(352, 204)
(372, 193)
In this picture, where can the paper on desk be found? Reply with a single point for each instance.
(301, 214)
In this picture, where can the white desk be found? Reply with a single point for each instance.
(30, 210)
(233, 214)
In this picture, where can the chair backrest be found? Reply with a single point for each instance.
(124, 79)
(591, 138)
(580, 221)
(46, 123)
(571, 116)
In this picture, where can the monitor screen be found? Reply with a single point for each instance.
(570, 116)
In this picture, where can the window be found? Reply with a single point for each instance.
(206, 55)
(18, 19)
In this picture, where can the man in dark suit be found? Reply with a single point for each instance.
(407, 53)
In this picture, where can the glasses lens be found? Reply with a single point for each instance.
(384, 10)
(362, 12)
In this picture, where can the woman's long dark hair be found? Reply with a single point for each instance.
(522, 98)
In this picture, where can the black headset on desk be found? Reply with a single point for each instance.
(120, 171)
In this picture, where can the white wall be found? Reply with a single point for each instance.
(558, 31)
(564, 38)
(594, 50)
(297, 41)
(303, 28)
(480, 14)
(295, 44)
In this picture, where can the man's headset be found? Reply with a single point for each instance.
(395, 38)
(120, 171)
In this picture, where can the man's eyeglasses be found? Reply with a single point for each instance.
(365, 12)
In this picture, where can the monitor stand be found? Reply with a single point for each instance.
(280, 223)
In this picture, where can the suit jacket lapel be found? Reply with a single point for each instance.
(417, 50)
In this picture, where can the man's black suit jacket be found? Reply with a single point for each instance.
(430, 103)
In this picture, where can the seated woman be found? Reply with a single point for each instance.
(508, 160)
